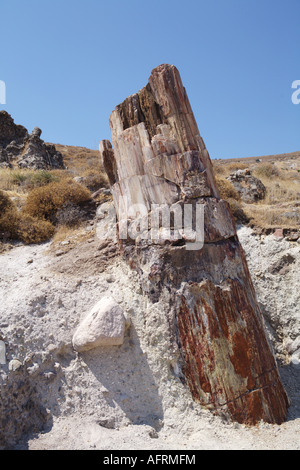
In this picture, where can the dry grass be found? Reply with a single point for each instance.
(281, 177)
(225, 169)
(85, 163)
(270, 216)
(71, 236)
(44, 202)
(36, 196)
(17, 225)
(227, 190)
(23, 180)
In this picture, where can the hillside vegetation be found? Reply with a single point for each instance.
(280, 174)
(40, 204)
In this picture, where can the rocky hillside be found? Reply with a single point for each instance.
(127, 396)
(21, 149)
(132, 345)
(267, 190)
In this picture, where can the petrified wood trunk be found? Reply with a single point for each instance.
(158, 159)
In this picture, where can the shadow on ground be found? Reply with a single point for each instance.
(290, 376)
(128, 381)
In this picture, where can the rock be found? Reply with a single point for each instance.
(282, 266)
(59, 253)
(24, 149)
(79, 179)
(158, 161)
(104, 191)
(278, 234)
(103, 326)
(250, 188)
(293, 237)
(14, 365)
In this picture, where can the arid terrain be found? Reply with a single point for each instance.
(128, 396)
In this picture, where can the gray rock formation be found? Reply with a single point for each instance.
(18, 147)
(250, 188)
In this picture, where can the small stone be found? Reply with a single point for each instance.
(49, 375)
(278, 234)
(293, 237)
(295, 361)
(30, 261)
(103, 326)
(33, 369)
(153, 434)
(14, 365)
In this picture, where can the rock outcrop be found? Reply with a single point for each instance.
(25, 150)
(250, 188)
(158, 163)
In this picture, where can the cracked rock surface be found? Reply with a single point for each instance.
(25, 150)
(158, 158)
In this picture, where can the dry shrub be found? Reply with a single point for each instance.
(24, 179)
(266, 170)
(227, 190)
(237, 211)
(5, 202)
(45, 201)
(225, 169)
(15, 225)
(9, 221)
(95, 178)
(33, 230)
(268, 216)
(70, 215)
(230, 194)
(232, 167)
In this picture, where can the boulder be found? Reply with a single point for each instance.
(250, 188)
(104, 325)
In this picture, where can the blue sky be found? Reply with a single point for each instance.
(67, 64)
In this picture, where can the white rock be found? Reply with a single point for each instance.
(14, 365)
(103, 326)
(2, 353)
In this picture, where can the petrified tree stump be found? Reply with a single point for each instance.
(158, 160)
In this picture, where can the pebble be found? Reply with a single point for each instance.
(14, 365)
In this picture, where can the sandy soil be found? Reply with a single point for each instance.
(120, 398)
